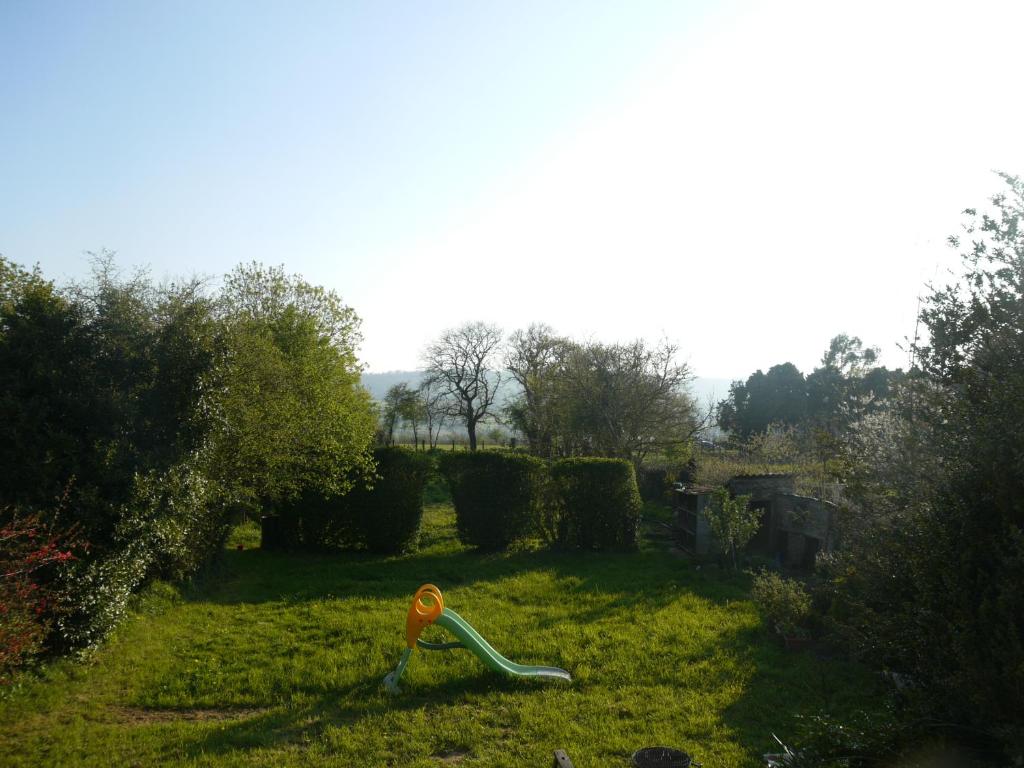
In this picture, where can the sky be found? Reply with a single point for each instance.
(743, 179)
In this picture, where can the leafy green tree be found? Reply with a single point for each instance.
(777, 397)
(55, 418)
(846, 386)
(290, 413)
(390, 411)
(733, 522)
(402, 405)
(532, 357)
(611, 400)
(626, 400)
(413, 410)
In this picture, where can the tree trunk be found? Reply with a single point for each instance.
(471, 429)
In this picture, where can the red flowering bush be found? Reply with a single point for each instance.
(29, 554)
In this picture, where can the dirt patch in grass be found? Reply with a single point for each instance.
(452, 756)
(144, 716)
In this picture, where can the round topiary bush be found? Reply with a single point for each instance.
(599, 503)
(498, 496)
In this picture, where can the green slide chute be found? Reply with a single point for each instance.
(428, 608)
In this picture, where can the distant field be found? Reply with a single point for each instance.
(277, 661)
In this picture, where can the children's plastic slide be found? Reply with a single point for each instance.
(428, 608)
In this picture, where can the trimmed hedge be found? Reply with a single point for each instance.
(387, 517)
(599, 503)
(383, 518)
(498, 496)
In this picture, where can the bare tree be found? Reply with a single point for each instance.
(462, 362)
(435, 407)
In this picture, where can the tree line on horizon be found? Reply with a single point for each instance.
(571, 398)
(847, 386)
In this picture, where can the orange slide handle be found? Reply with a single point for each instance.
(427, 605)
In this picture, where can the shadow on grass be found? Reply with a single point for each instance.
(647, 578)
(780, 687)
(308, 721)
(776, 685)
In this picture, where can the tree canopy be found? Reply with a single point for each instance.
(846, 385)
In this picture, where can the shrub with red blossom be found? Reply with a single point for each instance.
(30, 552)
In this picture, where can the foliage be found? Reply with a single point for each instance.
(591, 399)
(52, 427)
(599, 504)
(99, 392)
(96, 593)
(733, 522)
(531, 357)
(289, 410)
(776, 397)
(387, 515)
(382, 515)
(178, 514)
(928, 585)
(499, 496)
(403, 405)
(152, 409)
(866, 738)
(718, 465)
(845, 387)
(784, 603)
(28, 602)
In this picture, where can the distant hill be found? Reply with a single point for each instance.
(379, 383)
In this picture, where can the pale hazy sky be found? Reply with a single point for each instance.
(746, 179)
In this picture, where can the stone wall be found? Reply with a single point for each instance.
(762, 487)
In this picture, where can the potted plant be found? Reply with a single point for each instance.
(785, 606)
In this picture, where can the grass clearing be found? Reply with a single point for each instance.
(277, 660)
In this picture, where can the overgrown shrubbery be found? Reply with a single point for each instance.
(95, 594)
(784, 603)
(927, 584)
(151, 410)
(180, 517)
(30, 554)
(599, 504)
(499, 497)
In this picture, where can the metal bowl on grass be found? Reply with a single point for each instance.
(661, 757)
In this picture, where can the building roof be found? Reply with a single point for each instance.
(694, 489)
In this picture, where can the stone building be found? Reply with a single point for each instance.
(793, 528)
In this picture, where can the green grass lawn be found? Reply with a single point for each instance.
(277, 660)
